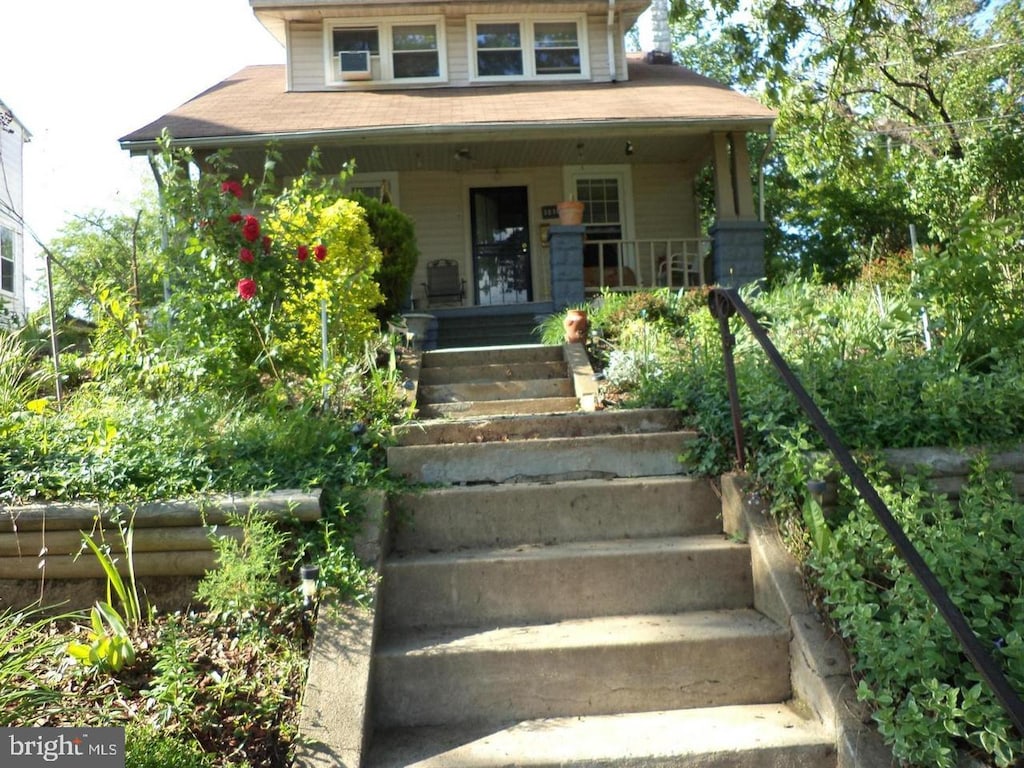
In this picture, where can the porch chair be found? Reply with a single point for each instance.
(443, 282)
(677, 272)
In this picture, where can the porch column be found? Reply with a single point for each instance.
(566, 248)
(737, 237)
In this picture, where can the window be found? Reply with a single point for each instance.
(409, 51)
(606, 194)
(527, 49)
(382, 186)
(556, 48)
(7, 259)
(415, 53)
(499, 50)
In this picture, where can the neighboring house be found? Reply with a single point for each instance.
(477, 118)
(13, 137)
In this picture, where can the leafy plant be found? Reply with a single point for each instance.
(147, 747)
(110, 647)
(394, 234)
(247, 580)
(127, 594)
(26, 647)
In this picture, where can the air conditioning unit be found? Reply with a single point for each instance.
(354, 65)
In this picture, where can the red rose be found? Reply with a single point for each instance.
(247, 288)
(267, 242)
(234, 218)
(246, 255)
(232, 188)
(251, 228)
(302, 252)
(320, 252)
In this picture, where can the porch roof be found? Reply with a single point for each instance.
(252, 107)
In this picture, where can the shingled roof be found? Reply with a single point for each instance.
(253, 104)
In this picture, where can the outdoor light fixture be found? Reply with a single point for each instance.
(309, 575)
(629, 148)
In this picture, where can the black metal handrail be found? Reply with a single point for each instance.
(726, 302)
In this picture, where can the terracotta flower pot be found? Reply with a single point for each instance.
(570, 212)
(575, 325)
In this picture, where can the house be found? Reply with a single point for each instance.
(477, 118)
(13, 137)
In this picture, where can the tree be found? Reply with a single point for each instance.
(890, 113)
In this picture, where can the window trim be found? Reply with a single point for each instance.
(623, 174)
(385, 59)
(354, 182)
(527, 37)
(13, 260)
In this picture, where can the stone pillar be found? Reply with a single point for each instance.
(737, 236)
(738, 248)
(566, 248)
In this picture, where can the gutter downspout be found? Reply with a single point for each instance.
(612, 61)
(760, 174)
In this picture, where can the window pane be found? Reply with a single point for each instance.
(555, 35)
(7, 259)
(499, 63)
(361, 39)
(552, 62)
(498, 36)
(7, 243)
(416, 64)
(419, 37)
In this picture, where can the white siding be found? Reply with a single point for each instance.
(458, 51)
(306, 57)
(663, 202)
(434, 201)
(12, 195)
(438, 202)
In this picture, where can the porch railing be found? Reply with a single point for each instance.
(725, 303)
(631, 265)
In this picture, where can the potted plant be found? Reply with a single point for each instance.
(575, 324)
(570, 212)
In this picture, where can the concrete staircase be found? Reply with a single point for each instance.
(563, 594)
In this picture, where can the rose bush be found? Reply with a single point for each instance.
(246, 299)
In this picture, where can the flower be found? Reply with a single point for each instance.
(302, 252)
(232, 188)
(267, 242)
(246, 256)
(320, 252)
(234, 218)
(247, 288)
(251, 228)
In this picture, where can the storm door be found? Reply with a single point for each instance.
(501, 245)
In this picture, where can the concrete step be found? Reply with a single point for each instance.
(517, 354)
(751, 736)
(487, 331)
(519, 389)
(483, 429)
(536, 583)
(475, 410)
(490, 373)
(478, 516)
(581, 668)
(569, 458)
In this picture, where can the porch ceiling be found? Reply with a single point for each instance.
(469, 152)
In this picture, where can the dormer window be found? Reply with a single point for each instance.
(505, 49)
(407, 51)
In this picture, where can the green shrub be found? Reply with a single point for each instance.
(146, 747)
(926, 697)
(394, 234)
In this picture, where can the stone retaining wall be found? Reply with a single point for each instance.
(172, 544)
(945, 470)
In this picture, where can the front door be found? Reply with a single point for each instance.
(501, 245)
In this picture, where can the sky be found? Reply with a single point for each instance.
(79, 75)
